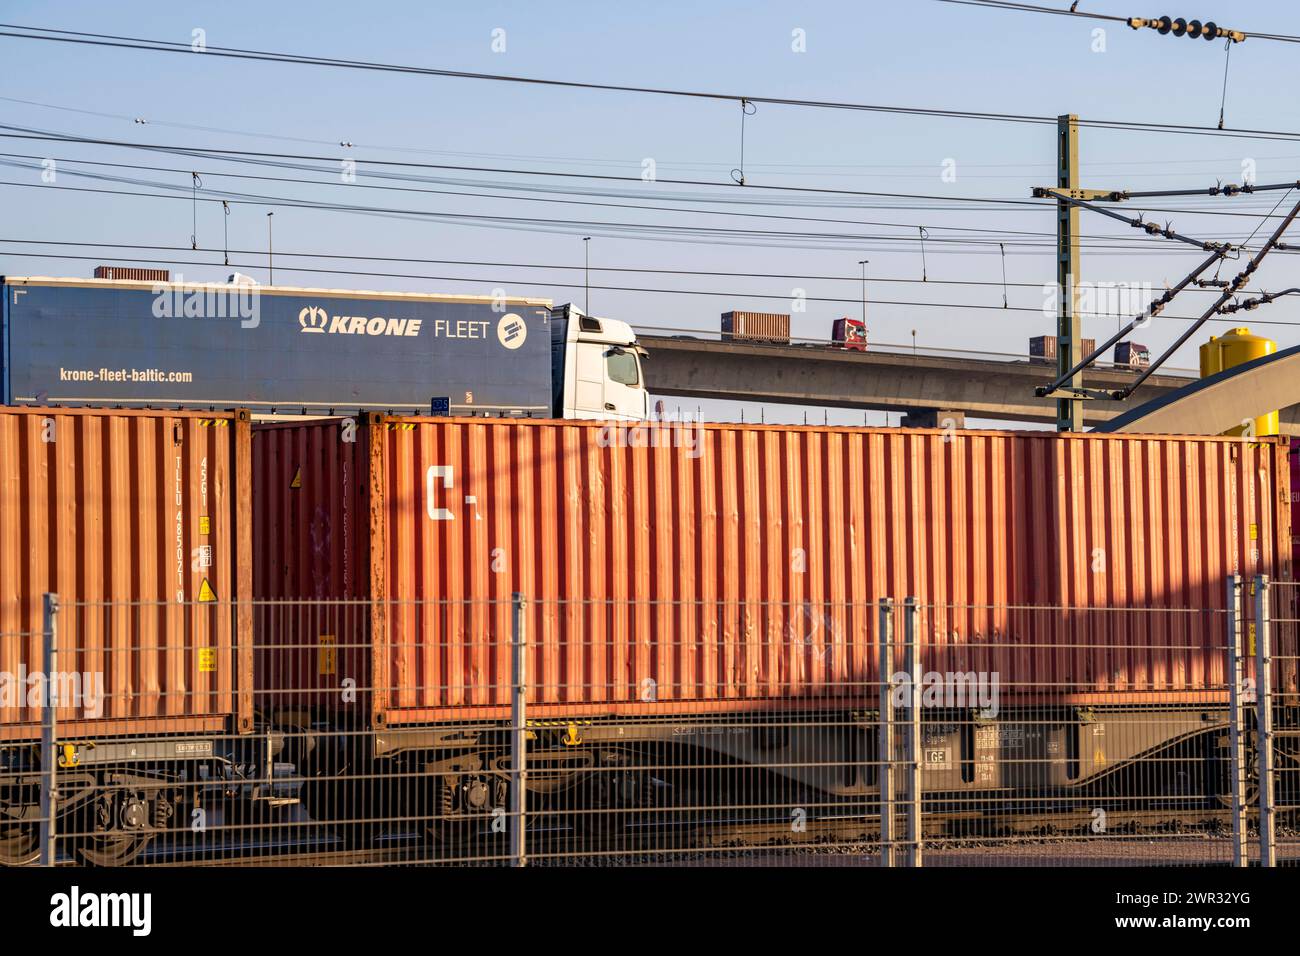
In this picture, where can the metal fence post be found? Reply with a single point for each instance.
(49, 725)
(1236, 721)
(1264, 723)
(912, 665)
(518, 730)
(885, 734)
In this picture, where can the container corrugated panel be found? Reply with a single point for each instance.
(312, 532)
(132, 274)
(756, 326)
(111, 511)
(747, 574)
(1295, 498)
(1044, 346)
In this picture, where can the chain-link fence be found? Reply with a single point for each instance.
(631, 732)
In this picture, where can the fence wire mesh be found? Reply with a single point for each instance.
(702, 733)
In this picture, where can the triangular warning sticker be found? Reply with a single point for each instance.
(206, 594)
(297, 478)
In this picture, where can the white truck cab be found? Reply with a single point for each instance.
(596, 368)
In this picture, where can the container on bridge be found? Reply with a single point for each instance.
(132, 274)
(771, 327)
(1044, 347)
(649, 558)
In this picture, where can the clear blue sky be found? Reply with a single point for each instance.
(915, 53)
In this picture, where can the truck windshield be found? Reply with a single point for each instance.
(622, 367)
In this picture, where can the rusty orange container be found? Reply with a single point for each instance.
(736, 566)
(773, 327)
(136, 520)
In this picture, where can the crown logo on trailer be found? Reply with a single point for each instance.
(313, 319)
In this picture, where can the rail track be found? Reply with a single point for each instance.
(647, 841)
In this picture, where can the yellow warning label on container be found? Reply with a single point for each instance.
(1250, 639)
(205, 524)
(327, 658)
(1254, 532)
(207, 660)
(297, 478)
(206, 594)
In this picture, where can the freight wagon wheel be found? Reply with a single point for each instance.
(19, 844)
(453, 840)
(113, 849)
(19, 830)
(337, 793)
(1251, 754)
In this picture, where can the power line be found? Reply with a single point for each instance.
(525, 283)
(478, 195)
(771, 168)
(972, 203)
(1127, 21)
(877, 279)
(567, 226)
(169, 46)
(613, 229)
(242, 155)
(1030, 8)
(265, 159)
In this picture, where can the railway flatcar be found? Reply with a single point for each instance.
(690, 591)
(325, 610)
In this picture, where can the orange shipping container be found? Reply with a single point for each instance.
(737, 565)
(756, 327)
(123, 514)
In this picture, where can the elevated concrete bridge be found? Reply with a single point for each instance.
(895, 381)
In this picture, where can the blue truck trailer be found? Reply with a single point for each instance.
(280, 350)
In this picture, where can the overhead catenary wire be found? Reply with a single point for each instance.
(973, 202)
(335, 183)
(576, 285)
(169, 46)
(1234, 286)
(653, 231)
(420, 260)
(1227, 291)
(1033, 8)
(1086, 14)
(771, 167)
(240, 155)
(1027, 239)
(1223, 99)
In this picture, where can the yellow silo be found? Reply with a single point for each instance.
(1237, 348)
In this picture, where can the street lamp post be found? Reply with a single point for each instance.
(864, 263)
